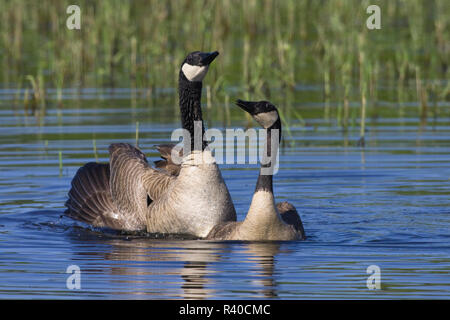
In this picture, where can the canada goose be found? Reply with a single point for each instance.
(264, 220)
(128, 194)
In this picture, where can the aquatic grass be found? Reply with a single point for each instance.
(227, 117)
(60, 163)
(94, 146)
(26, 102)
(137, 134)
(266, 46)
(286, 128)
(38, 99)
(299, 117)
(365, 69)
(421, 97)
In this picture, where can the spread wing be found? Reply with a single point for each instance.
(134, 184)
(116, 195)
(90, 198)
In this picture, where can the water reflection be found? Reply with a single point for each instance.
(264, 254)
(137, 265)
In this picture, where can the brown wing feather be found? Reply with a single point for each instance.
(223, 231)
(168, 165)
(116, 195)
(90, 198)
(290, 216)
(165, 150)
(133, 181)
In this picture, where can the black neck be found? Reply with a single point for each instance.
(265, 178)
(190, 93)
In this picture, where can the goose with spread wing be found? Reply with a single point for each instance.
(129, 194)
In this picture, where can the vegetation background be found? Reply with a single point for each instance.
(269, 50)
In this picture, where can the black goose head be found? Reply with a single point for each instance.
(195, 66)
(264, 112)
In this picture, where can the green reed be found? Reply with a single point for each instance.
(267, 48)
(137, 134)
(60, 162)
(94, 147)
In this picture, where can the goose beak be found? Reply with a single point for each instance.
(247, 106)
(208, 57)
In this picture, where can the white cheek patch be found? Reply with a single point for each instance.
(266, 119)
(194, 73)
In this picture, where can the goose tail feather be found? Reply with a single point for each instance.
(290, 216)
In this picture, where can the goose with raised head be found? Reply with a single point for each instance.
(264, 220)
(128, 194)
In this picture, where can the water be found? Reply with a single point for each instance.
(387, 205)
